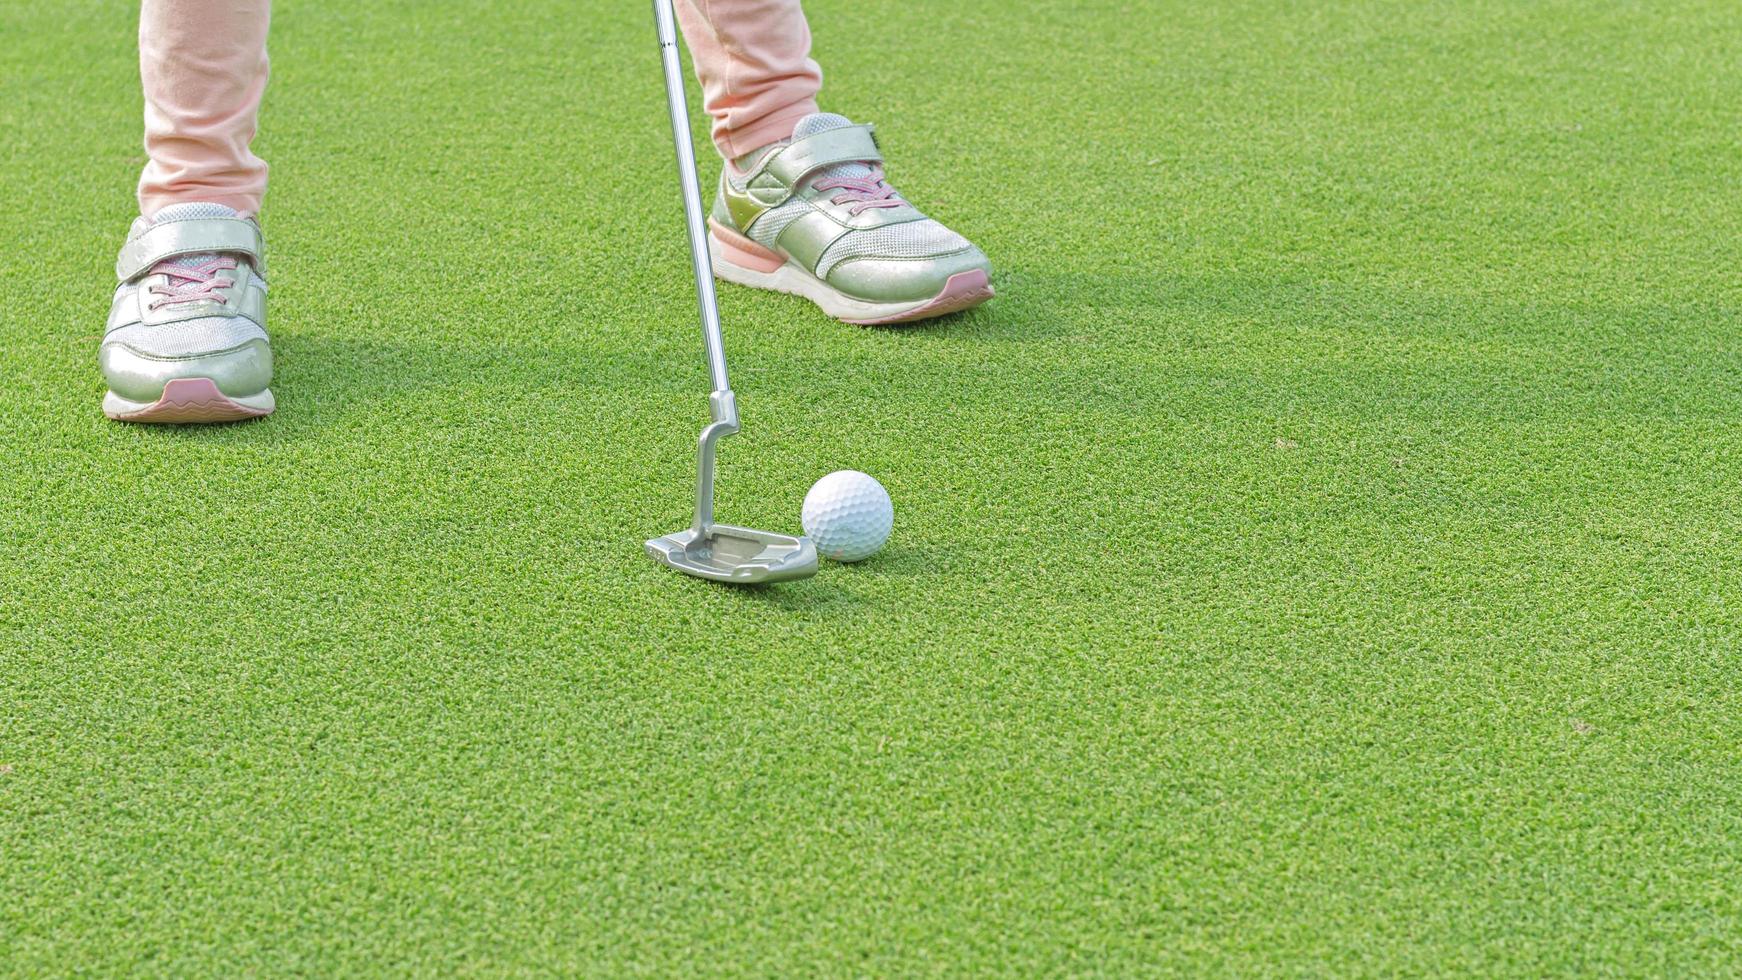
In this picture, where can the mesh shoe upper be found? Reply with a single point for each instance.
(205, 327)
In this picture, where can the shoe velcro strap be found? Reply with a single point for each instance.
(190, 236)
(845, 144)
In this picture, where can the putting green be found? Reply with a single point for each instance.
(1322, 556)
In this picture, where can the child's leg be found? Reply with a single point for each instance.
(203, 64)
(186, 338)
(753, 58)
(836, 233)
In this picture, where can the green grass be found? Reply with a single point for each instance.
(1322, 556)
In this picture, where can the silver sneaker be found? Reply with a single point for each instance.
(814, 216)
(186, 340)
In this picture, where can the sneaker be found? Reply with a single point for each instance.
(814, 216)
(186, 340)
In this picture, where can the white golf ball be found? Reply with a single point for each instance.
(848, 516)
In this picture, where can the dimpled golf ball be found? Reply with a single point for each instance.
(848, 516)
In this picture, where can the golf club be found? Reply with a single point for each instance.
(705, 549)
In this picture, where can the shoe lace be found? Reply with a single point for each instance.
(867, 191)
(190, 283)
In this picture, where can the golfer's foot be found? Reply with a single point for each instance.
(186, 340)
(813, 216)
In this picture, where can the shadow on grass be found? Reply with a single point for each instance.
(1270, 342)
(327, 381)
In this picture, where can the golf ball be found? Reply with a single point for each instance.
(848, 515)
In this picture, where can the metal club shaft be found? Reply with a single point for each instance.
(722, 406)
(721, 552)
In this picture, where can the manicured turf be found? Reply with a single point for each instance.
(1322, 556)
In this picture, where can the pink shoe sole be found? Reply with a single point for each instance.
(192, 400)
(961, 291)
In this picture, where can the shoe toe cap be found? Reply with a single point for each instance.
(239, 371)
(897, 280)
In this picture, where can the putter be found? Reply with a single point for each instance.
(720, 552)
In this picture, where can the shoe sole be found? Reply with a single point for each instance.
(190, 400)
(740, 260)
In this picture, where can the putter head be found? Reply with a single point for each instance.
(736, 554)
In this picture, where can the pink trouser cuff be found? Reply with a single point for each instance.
(246, 205)
(735, 143)
(753, 60)
(203, 67)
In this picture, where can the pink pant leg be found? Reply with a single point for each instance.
(753, 58)
(203, 64)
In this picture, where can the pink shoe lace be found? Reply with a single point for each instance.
(196, 282)
(868, 191)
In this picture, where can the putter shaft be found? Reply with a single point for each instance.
(723, 407)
